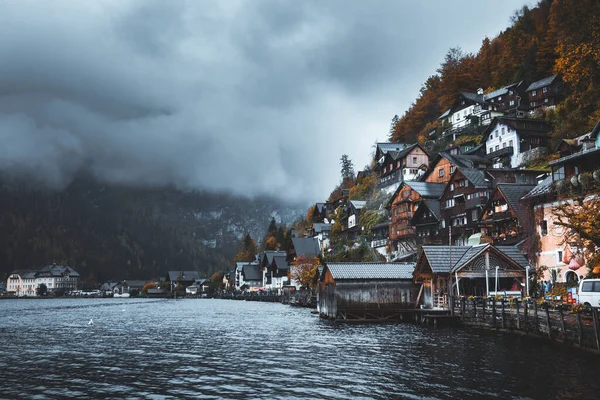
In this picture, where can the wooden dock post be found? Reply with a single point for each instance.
(518, 317)
(535, 316)
(484, 305)
(503, 323)
(494, 312)
(548, 323)
(579, 330)
(474, 309)
(462, 308)
(562, 324)
(595, 318)
(526, 316)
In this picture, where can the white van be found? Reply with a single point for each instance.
(589, 292)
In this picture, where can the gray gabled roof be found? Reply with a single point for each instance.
(434, 206)
(513, 193)
(109, 285)
(57, 270)
(252, 272)
(135, 283)
(439, 257)
(321, 226)
(185, 275)
(427, 190)
(478, 98)
(371, 271)
(358, 204)
(385, 147)
(541, 83)
(496, 93)
(308, 247)
(269, 254)
(541, 189)
(593, 152)
(515, 254)
(476, 177)
(281, 263)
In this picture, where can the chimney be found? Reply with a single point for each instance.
(480, 91)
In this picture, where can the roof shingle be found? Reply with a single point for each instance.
(371, 271)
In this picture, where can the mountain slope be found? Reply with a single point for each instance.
(116, 232)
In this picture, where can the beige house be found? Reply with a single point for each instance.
(22, 283)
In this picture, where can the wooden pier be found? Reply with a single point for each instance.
(555, 323)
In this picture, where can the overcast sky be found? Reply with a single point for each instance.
(252, 97)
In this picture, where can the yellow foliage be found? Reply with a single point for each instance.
(305, 270)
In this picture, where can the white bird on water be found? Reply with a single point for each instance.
(91, 322)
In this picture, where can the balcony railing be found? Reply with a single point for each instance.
(503, 152)
(472, 203)
(379, 243)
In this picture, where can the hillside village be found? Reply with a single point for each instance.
(494, 186)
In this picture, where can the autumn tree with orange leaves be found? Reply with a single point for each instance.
(305, 271)
(581, 219)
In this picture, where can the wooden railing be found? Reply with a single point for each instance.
(560, 323)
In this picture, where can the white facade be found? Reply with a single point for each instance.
(501, 137)
(27, 284)
(459, 118)
(352, 221)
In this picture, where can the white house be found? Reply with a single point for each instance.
(515, 139)
(25, 282)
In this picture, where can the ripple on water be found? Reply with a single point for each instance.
(161, 349)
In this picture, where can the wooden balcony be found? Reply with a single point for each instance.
(472, 203)
(503, 152)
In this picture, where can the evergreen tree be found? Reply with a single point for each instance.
(248, 250)
(395, 120)
(347, 167)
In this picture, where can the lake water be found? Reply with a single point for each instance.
(213, 349)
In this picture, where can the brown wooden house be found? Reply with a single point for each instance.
(404, 165)
(545, 93)
(504, 217)
(427, 221)
(462, 201)
(403, 205)
(444, 164)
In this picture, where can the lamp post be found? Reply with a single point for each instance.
(487, 281)
(496, 285)
(527, 280)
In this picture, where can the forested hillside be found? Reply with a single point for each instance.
(112, 232)
(557, 36)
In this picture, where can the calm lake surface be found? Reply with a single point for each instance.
(212, 349)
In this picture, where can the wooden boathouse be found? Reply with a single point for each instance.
(366, 291)
(481, 270)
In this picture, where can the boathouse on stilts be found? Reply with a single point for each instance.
(366, 291)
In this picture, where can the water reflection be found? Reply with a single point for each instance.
(231, 349)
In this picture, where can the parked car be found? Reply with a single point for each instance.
(589, 292)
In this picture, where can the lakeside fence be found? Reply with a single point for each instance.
(563, 324)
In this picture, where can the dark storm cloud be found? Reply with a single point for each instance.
(253, 97)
